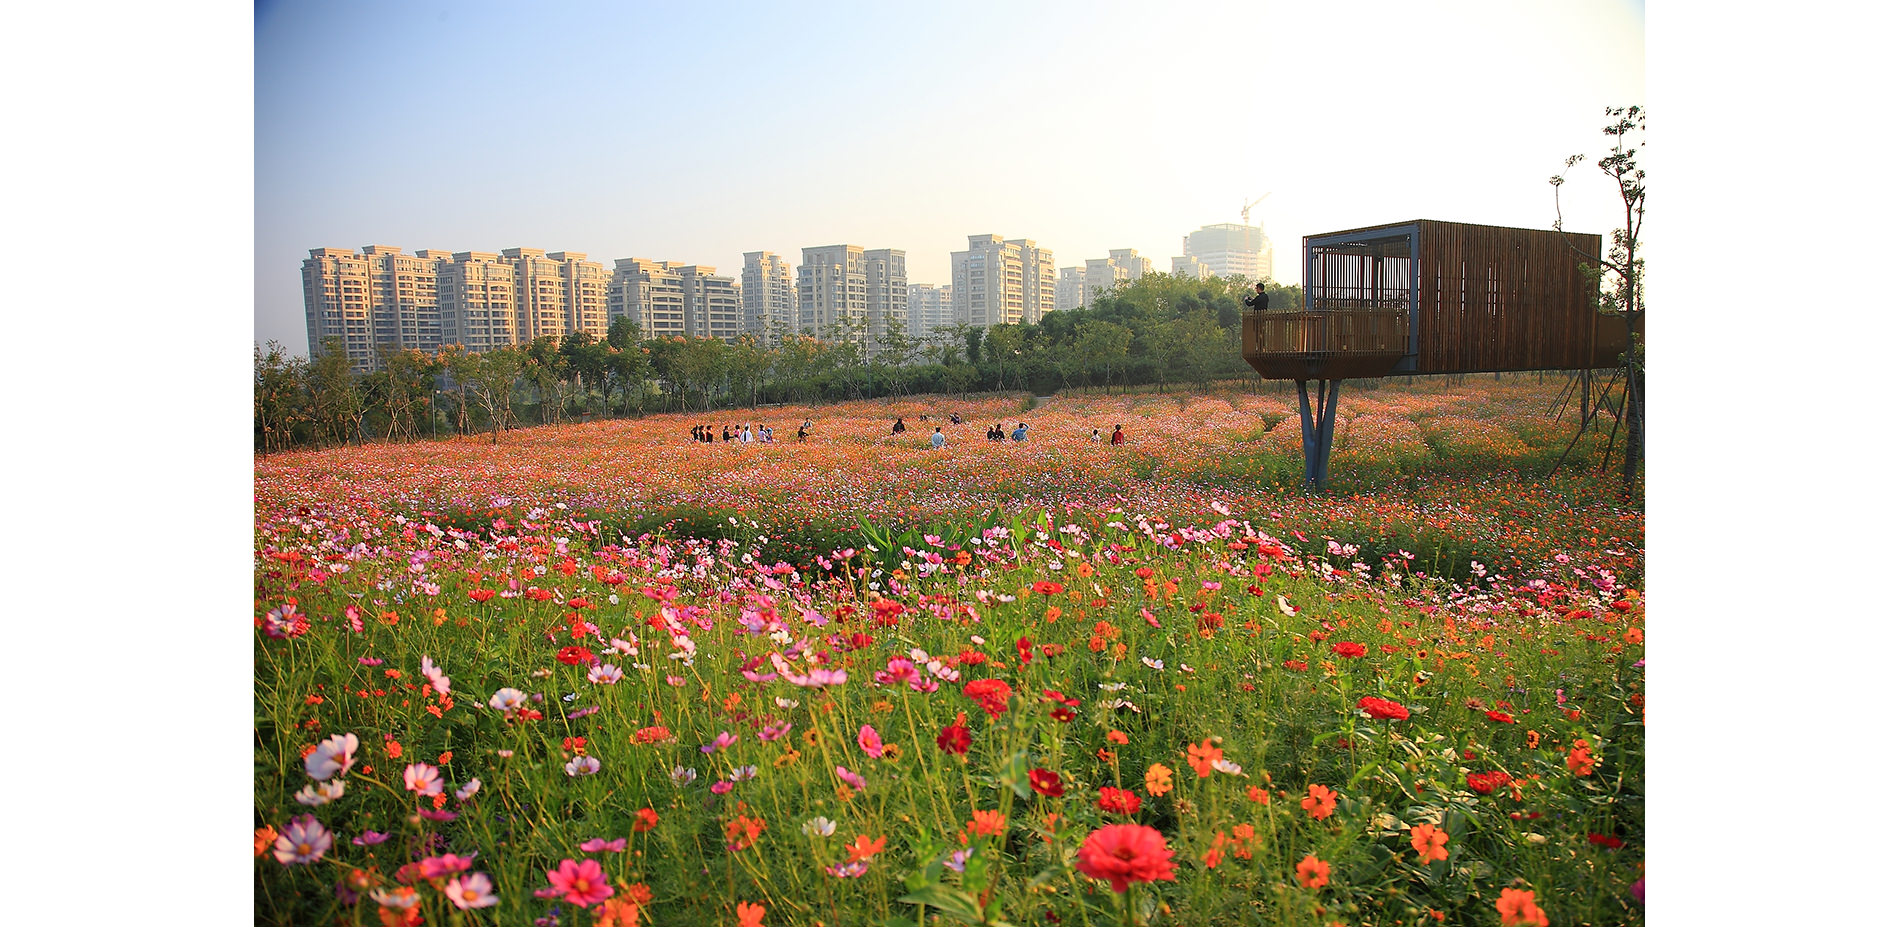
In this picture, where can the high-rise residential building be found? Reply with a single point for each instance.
(711, 302)
(1104, 274)
(1071, 289)
(583, 292)
(381, 298)
(540, 294)
(649, 293)
(476, 293)
(1229, 249)
(831, 292)
(769, 298)
(997, 282)
(1192, 267)
(886, 293)
(929, 309)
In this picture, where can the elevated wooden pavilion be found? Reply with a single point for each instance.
(1430, 297)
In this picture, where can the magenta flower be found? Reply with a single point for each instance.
(370, 838)
(580, 883)
(597, 845)
(870, 742)
(436, 867)
(304, 840)
(852, 779)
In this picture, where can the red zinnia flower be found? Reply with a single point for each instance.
(1046, 782)
(1500, 717)
(991, 694)
(1118, 801)
(574, 656)
(1385, 710)
(1124, 853)
(1607, 840)
(1047, 588)
(955, 738)
(1349, 649)
(1486, 783)
(1024, 650)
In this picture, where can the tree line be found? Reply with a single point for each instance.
(1160, 329)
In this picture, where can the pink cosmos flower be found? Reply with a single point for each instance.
(774, 730)
(304, 840)
(597, 845)
(582, 766)
(436, 867)
(471, 891)
(468, 790)
(334, 755)
(422, 779)
(508, 701)
(435, 815)
(435, 675)
(605, 674)
(853, 779)
(580, 883)
(370, 838)
(724, 740)
(870, 742)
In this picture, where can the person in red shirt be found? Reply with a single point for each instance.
(1117, 437)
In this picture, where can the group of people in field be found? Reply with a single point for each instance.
(743, 434)
(748, 433)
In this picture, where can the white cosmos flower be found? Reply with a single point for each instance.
(322, 793)
(422, 779)
(468, 790)
(582, 766)
(820, 826)
(605, 674)
(334, 755)
(508, 700)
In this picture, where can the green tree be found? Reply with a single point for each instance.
(280, 396)
(336, 393)
(1623, 270)
(494, 386)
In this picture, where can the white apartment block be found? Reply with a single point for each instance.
(999, 282)
(886, 293)
(584, 290)
(929, 309)
(711, 302)
(832, 299)
(1071, 291)
(1191, 266)
(1229, 249)
(769, 298)
(476, 290)
(379, 298)
(649, 293)
(1104, 274)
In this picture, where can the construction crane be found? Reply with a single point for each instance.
(1248, 208)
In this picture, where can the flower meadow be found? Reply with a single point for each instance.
(600, 674)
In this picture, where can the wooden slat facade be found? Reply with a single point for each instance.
(1471, 299)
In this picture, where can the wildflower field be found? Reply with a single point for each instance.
(602, 674)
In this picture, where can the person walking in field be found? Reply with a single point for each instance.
(1117, 437)
(937, 439)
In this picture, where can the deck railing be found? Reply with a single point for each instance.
(1330, 332)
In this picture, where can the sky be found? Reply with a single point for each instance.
(697, 134)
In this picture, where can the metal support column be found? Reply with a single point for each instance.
(1316, 430)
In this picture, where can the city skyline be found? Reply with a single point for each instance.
(477, 127)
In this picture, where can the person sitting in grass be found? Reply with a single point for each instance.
(936, 438)
(1021, 433)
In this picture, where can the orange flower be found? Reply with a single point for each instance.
(618, 912)
(865, 848)
(1202, 756)
(985, 824)
(1580, 761)
(393, 748)
(1259, 795)
(1242, 841)
(1314, 872)
(1213, 856)
(742, 832)
(1519, 906)
(645, 820)
(1117, 737)
(750, 915)
(1430, 842)
(1319, 801)
(262, 840)
(1160, 780)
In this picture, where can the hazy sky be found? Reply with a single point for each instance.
(695, 133)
